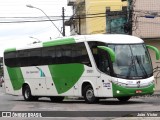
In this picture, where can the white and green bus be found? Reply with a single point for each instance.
(89, 66)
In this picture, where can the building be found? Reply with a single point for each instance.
(89, 16)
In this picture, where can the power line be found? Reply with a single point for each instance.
(59, 16)
(35, 17)
(29, 21)
(43, 18)
(137, 11)
(89, 15)
(24, 21)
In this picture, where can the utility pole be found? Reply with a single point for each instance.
(63, 18)
(79, 25)
(130, 7)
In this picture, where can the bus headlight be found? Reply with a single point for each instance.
(118, 91)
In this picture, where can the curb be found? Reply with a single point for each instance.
(156, 92)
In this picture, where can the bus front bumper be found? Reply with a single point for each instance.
(120, 91)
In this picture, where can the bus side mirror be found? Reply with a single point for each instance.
(156, 51)
(110, 51)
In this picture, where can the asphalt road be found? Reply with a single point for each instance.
(78, 109)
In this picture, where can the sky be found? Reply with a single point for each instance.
(24, 33)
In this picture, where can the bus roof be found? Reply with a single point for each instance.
(114, 38)
(107, 38)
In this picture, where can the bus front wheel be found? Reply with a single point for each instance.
(89, 95)
(124, 99)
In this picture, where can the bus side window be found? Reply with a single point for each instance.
(52, 54)
(10, 59)
(45, 59)
(22, 57)
(67, 54)
(58, 55)
(80, 54)
(35, 57)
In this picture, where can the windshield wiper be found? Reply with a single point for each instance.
(141, 67)
(131, 66)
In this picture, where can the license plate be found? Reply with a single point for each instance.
(138, 91)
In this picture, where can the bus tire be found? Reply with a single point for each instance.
(89, 95)
(27, 94)
(124, 99)
(56, 98)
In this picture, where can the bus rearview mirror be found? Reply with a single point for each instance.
(156, 51)
(110, 51)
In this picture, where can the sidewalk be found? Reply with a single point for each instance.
(157, 92)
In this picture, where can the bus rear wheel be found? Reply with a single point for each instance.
(124, 99)
(89, 95)
(27, 94)
(56, 98)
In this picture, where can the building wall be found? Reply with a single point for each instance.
(91, 23)
(98, 24)
(146, 27)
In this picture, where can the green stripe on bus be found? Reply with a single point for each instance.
(16, 77)
(65, 76)
(124, 91)
(10, 50)
(59, 42)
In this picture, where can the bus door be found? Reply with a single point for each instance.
(104, 66)
(104, 85)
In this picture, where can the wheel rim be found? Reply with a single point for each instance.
(26, 94)
(89, 94)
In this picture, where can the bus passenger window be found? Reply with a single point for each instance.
(22, 58)
(80, 54)
(35, 57)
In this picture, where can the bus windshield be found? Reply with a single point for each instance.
(132, 61)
